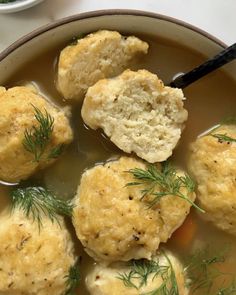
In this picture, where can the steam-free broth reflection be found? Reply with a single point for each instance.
(208, 100)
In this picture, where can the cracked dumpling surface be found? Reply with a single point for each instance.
(213, 164)
(33, 262)
(103, 280)
(113, 223)
(138, 113)
(99, 55)
(18, 115)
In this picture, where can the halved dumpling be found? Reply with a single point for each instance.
(138, 113)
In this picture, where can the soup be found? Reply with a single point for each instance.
(208, 101)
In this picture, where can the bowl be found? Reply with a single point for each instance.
(17, 5)
(175, 38)
(130, 21)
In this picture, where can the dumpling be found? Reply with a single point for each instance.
(213, 164)
(99, 55)
(33, 261)
(112, 221)
(138, 113)
(106, 280)
(18, 107)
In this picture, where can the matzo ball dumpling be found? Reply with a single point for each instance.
(18, 109)
(33, 261)
(213, 164)
(99, 55)
(138, 113)
(112, 221)
(106, 280)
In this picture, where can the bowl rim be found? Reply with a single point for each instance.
(97, 13)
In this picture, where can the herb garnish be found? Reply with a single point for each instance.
(38, 137)
(164, 182)
(224, 137)
(203, 270)
(37, 201)
(7, 1)
(73, 278)
(142, 269)
(56, 151)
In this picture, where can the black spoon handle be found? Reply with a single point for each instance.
(207, 67)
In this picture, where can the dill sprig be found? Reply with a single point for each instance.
(37, 138)
(142, 269)
(56, 151)
(164, 182)
(224, 137)
(73, 278)
(7, 1)
(37, 202)
(202, 271)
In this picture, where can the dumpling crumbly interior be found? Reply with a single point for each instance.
(99, 55)
(112, 222)
(138, 113)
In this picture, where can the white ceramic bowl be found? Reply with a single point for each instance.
(17, 5)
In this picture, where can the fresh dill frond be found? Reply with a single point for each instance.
(231, 120)
(161, 183)
(7, 1)
(56, 151)
(203, 270)
(142, 269)
(223, 137)
(37, 138)
(73, 278)
(37, 202)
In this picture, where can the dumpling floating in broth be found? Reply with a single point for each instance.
(165, 272)
(213, 164)
(112, 219)
(33, 261)
(33, 133)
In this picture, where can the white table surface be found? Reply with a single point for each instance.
(218, 17)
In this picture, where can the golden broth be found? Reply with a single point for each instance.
(208, 100)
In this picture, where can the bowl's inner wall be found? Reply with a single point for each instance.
(126, 23)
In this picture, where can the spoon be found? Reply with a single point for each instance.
(222, 58)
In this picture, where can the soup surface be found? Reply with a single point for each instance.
(208, 101)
